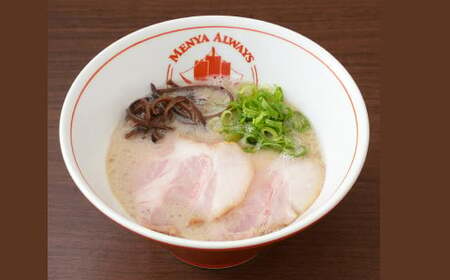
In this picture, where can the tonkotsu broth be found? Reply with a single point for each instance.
(125, 155)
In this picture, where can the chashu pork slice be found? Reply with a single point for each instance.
(189, 183)
(278, 194)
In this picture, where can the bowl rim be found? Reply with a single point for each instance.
(86, 75)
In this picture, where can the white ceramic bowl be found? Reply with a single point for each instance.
(245, 49)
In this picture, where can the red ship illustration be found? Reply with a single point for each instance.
(211, 66)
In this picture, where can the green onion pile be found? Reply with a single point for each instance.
(260, 119)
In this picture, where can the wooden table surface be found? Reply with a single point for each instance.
(84, 244)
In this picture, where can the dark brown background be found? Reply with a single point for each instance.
(84, 244)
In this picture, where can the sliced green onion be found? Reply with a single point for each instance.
(233, 137)
(259, 119)
(268, 109)
(278, 94)
(226, 117)
(250, 149)
(301, 151)
(269, 133)
(250, 140)
(275, 124)
(274, 146)
(250, 113)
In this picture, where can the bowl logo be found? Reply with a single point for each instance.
(210, 64)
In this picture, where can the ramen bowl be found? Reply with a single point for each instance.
(190, 49)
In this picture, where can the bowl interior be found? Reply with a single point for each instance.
(249, 50)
